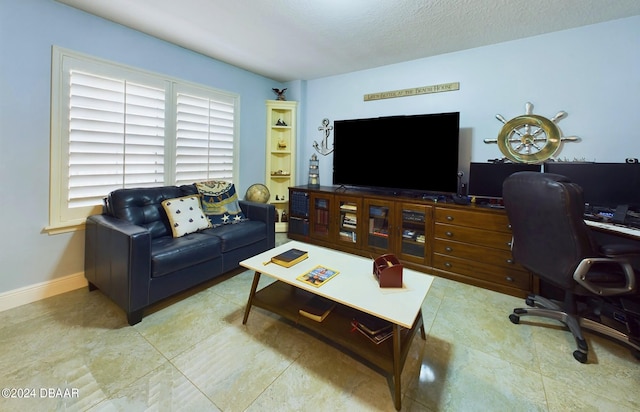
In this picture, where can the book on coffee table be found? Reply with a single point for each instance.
(317, 308)
(289, 257)
(318, 276)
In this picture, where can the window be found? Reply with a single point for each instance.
(117, 127)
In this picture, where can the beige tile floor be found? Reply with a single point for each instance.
(192, 353)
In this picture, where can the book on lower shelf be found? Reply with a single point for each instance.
(376, 338)
(372, 325)
(289, 258)
(317, 308)
(317, 276)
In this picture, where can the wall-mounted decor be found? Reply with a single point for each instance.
(436, 88)
(530, 138)
(323, 147)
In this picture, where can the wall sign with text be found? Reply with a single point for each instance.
(436, 88)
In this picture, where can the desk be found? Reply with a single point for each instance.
(616, 230)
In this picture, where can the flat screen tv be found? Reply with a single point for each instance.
(603, 184)
(415, 153)
(485, 179)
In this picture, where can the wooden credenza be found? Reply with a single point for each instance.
(466, 243)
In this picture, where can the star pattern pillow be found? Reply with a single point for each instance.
(185, 215)
(220, 202)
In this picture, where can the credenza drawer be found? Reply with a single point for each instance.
(476, 253)
(482, 271)
(469, 218)
(499, 240)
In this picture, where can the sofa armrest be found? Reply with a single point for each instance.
(118, 260)
(263, 212)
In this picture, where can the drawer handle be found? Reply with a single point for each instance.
(448, 249)
(450, 234)
(509, 279)
(448, 265)
(510, 261)
(450, 218)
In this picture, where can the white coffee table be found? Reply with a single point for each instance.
(355, 289)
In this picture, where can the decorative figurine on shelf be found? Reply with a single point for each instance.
(285, 216)
(323, 148)
(282, 144)
(280, 122)
(280, 94)
(314, 172)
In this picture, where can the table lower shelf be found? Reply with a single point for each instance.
(285, 300)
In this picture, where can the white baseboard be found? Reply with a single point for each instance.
(39, 291)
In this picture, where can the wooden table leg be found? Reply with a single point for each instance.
(397, 370)
(254, 286)
(422, 332)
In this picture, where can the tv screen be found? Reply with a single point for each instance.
(413, 153)
(603, 184)
(485, 179)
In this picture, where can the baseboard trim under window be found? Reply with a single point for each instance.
(39, 291)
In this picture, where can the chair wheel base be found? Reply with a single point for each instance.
(515, 319)
(580, 356)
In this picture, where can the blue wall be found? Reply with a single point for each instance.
(28, 30)
(592, 73)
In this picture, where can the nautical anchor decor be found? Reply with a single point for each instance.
(323, 147)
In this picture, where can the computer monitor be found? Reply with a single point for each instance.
(485, 179)
(604, 185)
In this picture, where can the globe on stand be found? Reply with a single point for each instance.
(257, 193)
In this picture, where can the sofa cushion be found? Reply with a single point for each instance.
(220, 202)
(170, 254)
(236, 236)
(185, 215)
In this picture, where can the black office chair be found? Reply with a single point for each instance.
(551, 240)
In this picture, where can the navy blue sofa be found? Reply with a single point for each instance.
(132, 257)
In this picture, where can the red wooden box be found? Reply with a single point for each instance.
(388, 270)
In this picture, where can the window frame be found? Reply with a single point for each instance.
(63, 218)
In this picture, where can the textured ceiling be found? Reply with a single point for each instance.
(308, 39)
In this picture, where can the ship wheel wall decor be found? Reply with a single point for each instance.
(530, 138)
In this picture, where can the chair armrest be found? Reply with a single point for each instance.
(620, 250)
(586, 265)
(118, 260)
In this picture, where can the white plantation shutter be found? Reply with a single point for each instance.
(204, 138)
(116, 137)
(118, 127)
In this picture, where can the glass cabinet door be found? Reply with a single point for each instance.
(379, 225)
(320, 215)
(349, 220)
(413, 231)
